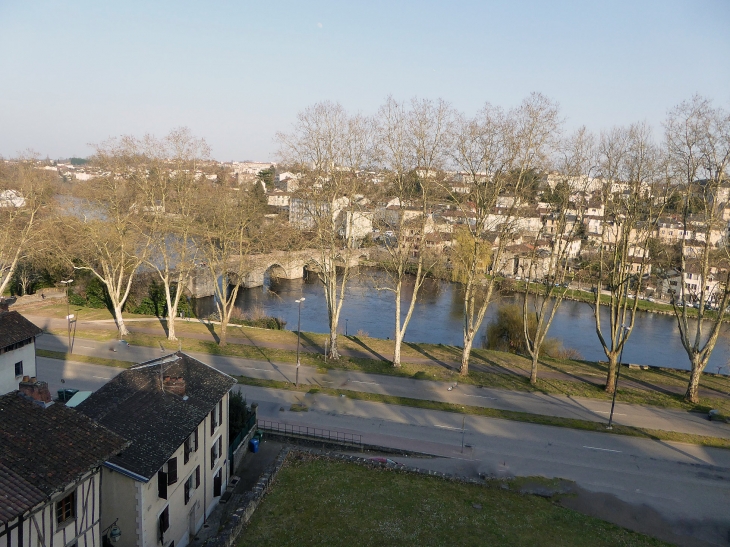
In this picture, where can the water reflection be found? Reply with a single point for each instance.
(437, 318)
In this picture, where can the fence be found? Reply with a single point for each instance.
(311, 433)
(237, 448)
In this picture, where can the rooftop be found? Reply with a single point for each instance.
(43, 450)
(15, 328)
(156, 418)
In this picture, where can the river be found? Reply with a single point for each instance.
(438, 319)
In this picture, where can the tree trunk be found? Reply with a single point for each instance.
(119, 320)
(396, 350)
(533, 370)
(693, 388)
(334, 353)
(224, 331)
(171, 326)
(612, 367)
(468, 341)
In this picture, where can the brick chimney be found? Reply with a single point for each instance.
(174, 384)
(35, 389)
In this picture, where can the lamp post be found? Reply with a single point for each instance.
(346, 320)
(624, 330)
(66, 283)
(299, 334)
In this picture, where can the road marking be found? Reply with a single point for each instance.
(359, 382)
(482, 397)
(87, 347)
(607, 412)
(448, 427)
(102, 377)
(262, 369)
(601, 449)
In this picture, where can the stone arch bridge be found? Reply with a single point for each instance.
(279, 264)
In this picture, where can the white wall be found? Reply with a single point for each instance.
(8, 380)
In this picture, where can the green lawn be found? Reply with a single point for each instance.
(322, 502)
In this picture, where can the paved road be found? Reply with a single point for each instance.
(534, 403)
(688, 485)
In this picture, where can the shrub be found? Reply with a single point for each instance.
(506, 333)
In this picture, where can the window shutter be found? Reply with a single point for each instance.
(164, 523)
(187, 491)
(197, 477)
(186, 451)
(212, 421)
(196, 440)
(220, 445)
(172, 471)
(212, 457)
(162, 484)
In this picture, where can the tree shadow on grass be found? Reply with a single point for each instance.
(433, 358)
(211, 329)
(367, 348)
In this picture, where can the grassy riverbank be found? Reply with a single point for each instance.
(660, 387)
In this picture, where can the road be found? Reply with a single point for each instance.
(688, 485)
(461, 394)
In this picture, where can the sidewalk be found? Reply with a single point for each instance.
(251, 468)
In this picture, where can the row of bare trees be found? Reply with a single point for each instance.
(597, 219)
(616, 185)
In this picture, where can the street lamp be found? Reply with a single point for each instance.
(624, 330)
(111, 534)
(66, 283)
(299, 334)
(346, 320)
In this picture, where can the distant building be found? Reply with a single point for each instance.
(174, 411)
(50, 471)
(17, 350)
(11, 198)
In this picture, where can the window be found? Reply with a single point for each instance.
(213, 420)
(216, 416)
(163, 523)
(214, 452)
(66, 508)
(189, 487)
(191, 445)
(162, 484)
(197, 477)
(172, 471)
(19, 368)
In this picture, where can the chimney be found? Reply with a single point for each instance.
(174, 384)
(35, 389)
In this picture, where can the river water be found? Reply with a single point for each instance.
(438, 319)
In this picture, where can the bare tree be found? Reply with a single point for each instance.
(633, 195)
(24, 195)
(698, 143)
(330, 147)
(412, 150)
(556, 246)
(170, 200)
(106, 236)
(232, 231)
(497, 153)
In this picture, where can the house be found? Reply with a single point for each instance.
(50, 471)
(11, 198)
(17, 349)
(174, 412)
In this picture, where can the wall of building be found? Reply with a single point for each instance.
(8, 380)
(84, 528)
(120, 501)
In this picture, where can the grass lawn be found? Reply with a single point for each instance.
(321, 502)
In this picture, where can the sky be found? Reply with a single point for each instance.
(74, 73)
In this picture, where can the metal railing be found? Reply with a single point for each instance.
(311, 432)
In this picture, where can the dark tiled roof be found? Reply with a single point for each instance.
(43, 450)
(157, 421)
(15, 328)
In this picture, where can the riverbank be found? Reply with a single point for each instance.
(658, 387)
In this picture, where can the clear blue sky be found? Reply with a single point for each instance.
(236, 72)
